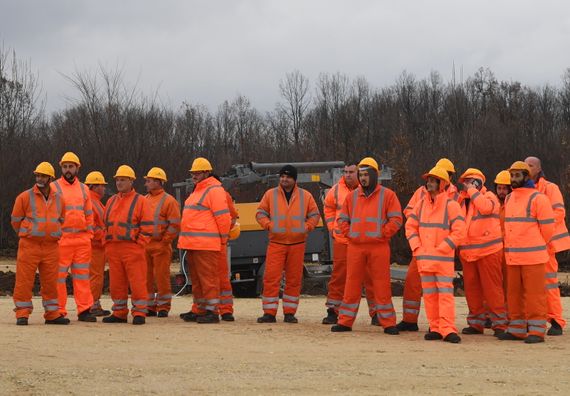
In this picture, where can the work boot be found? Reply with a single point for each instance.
(60, 320)
(407, 326)
(139, 320)
(210, 317)
(392, 330)
(338, 328)
(113, 319)
(498, 332)
(100, 312)
(488, 323)
(266, 318)
(433, 336)
(86, 316)
(452, 338)
(22, 321)
(506, 336)
(331, 318)
(555, 329)
(533, 339)
(189, 316)
(228, 317)
(470, 330)
(374, 321)
(162, 314)
(290, 318)
(151, 313)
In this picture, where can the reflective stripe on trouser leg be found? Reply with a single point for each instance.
(338, 276)
(135, 268)
(438, 299)
(226, 295)
(65, 259)
(293, 277)
(206, 263)
(162, 258)
(355, 274)
(412, 293)
(80, 262)
(48, 270)
(151, 290)
(491, 278)
(97, 274)
(26, 263)
(535, 298)
(118, 281)
(274, 266)
(554, 303)
(378, 266)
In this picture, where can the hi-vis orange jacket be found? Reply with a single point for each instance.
(234, 215)
(206, 218)
(529, 224)
(98, 222)
(79, 210)
(561, 239)
(420, 193)
(288, 223)
(35, 217)
(127, 217)
(484, 235)
(166, 215)
(373, 218)
(434, 230)
(333, 204)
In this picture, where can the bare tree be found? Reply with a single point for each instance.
(294, 90)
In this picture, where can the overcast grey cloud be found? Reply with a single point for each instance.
(209, 51)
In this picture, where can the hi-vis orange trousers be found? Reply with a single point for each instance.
(226, 295)
(483, 281)
(127, 269)
(526, 297)
(44, 257)
(338, 281)
(372, 259)
(158, 259)
(283, 258)
(75, 254)
(97, 274)
(437, 289)
(203, 268)
(553, 301)
(412, 293)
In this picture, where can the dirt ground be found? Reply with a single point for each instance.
(169, 356)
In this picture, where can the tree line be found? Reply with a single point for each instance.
(478, 121)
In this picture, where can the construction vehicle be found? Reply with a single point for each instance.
(247, 184)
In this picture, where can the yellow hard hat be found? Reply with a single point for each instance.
(70, 157)
(472, 173)
(439, 173)
(446, 164)
(125, 171)
(368, 161)
(235, 232)
(201, 164)
(95, 177)
(45, 168)
(519, 165)
(156, 173)
(503, 177)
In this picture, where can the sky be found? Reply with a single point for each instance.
(205, 52)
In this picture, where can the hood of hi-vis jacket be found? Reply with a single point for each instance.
(483, 224)
(288, 222)
(206, 217)
(434, 230)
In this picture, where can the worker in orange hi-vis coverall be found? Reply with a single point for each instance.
(481, 254)
(128, 226)
(434, 229)
(204, 231)
(370, 216)
(166, 225)
(37, 217)
(289, 213)
(332, 207)
(75, 243)
(560, 242)
(97, 186)
(413, 285)
(529, 226)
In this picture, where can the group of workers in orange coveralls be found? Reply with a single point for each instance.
(506, 240)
